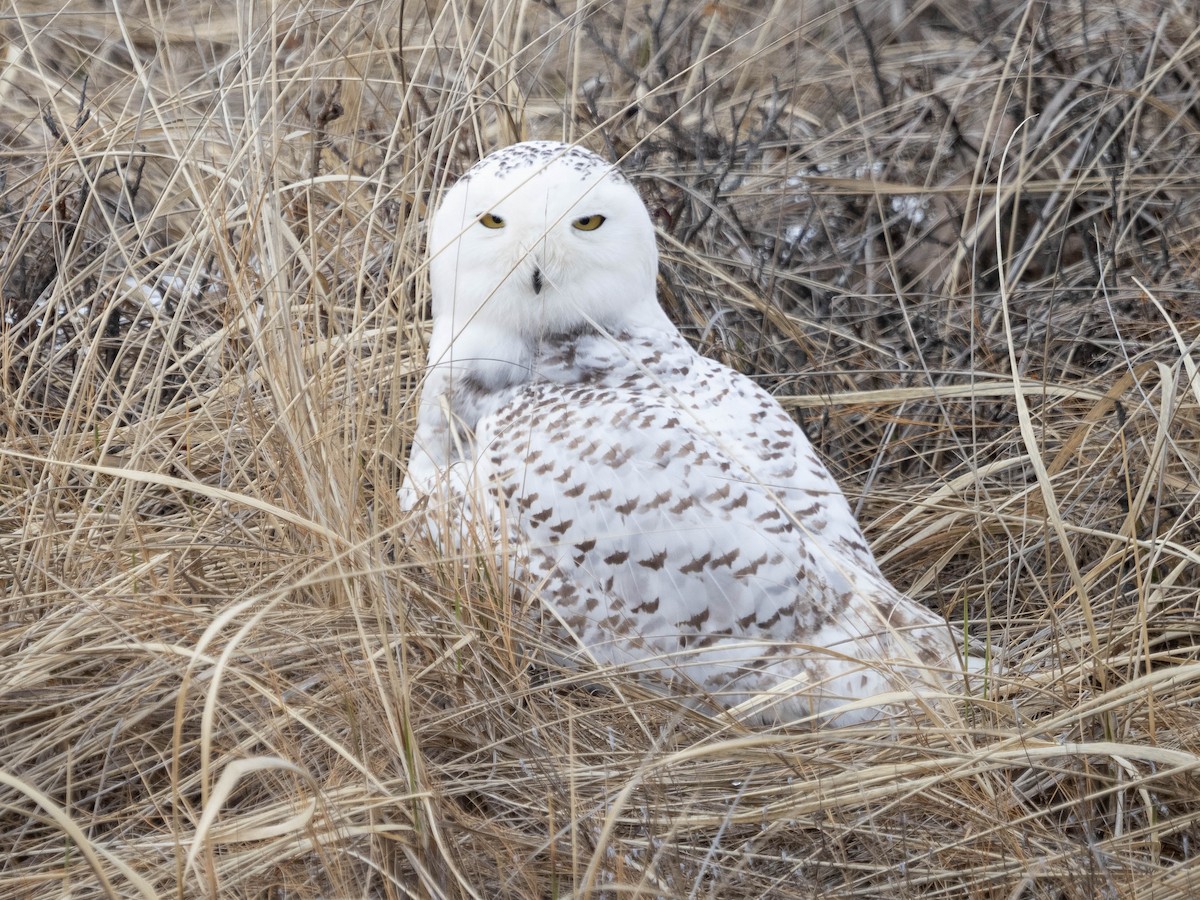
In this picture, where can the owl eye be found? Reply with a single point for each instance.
(588, 223)
(491, 220)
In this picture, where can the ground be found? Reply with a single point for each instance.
(960, 245)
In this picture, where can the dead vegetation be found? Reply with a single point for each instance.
(961, 243)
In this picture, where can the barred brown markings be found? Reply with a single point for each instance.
(741, 501)
(623, 625)
(600, 495)
(887, 606)
(727, 559)
(697, 620)
(660, 499)
(671, 423)
(561, 528)
(649, 606)
(526, 501)
(719, 494)
(628, 506)
(683, 504)
(509, 490)
(544, 468)
(591, 604)
(746, 621)
(663, 449)
(696, 565)
(575, 491)
(586, 546)
(617, 558)
(655, 562)
(541, 517)
(617, 456)
(750, 568)
(564, 475)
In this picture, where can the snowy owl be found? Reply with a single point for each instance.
(665, 512)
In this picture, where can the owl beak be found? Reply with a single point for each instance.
(537, 280)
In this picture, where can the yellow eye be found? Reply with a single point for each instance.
(588, 223)
(489, 220)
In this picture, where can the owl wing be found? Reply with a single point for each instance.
(691, 527)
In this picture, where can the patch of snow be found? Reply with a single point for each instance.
(910, 207)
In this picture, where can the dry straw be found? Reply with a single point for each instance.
(959, 240)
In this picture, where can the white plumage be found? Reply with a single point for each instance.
(666, 511)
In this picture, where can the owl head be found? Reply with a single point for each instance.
(537, 239)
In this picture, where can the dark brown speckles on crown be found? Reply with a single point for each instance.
(520, 158)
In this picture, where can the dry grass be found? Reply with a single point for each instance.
(963, 245)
